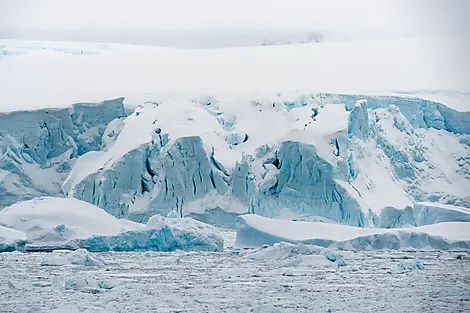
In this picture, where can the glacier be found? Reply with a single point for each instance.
(355, 159)
(39, 148)
(311, 142)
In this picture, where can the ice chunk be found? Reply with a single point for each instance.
(427, 213)
(77, 257)
(88, 284)
(298, 254)
(410, 265)
(76, 309)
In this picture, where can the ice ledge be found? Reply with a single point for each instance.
(259, 230)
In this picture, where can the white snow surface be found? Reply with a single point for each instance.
(294, 231)
(389, 66)
(54, 223)
(51, 221)
(9, 236)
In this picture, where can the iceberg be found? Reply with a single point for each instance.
(11, 239)
(51, 223)
(259, 231)
(161, 234)
(77, 257)
(288, 254)
(46, 224)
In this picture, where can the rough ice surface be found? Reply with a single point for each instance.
(355, 159)
(67, 223)
(430, 213)
(371, 281)
(160, 234)
(39, 148)
(259, 231)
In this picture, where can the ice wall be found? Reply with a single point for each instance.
(354, 159)
(38, 148)
(368, 170)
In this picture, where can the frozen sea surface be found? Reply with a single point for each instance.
(376, 281)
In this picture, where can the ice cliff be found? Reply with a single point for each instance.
(39, 148)
(354, 159)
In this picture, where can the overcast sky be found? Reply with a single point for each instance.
(177, 14)
(388, 17)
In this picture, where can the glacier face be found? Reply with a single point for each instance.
(359, 160)
(39, 148)
(354, 159)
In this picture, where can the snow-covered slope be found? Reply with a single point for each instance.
(389, 66)
(259, 230)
